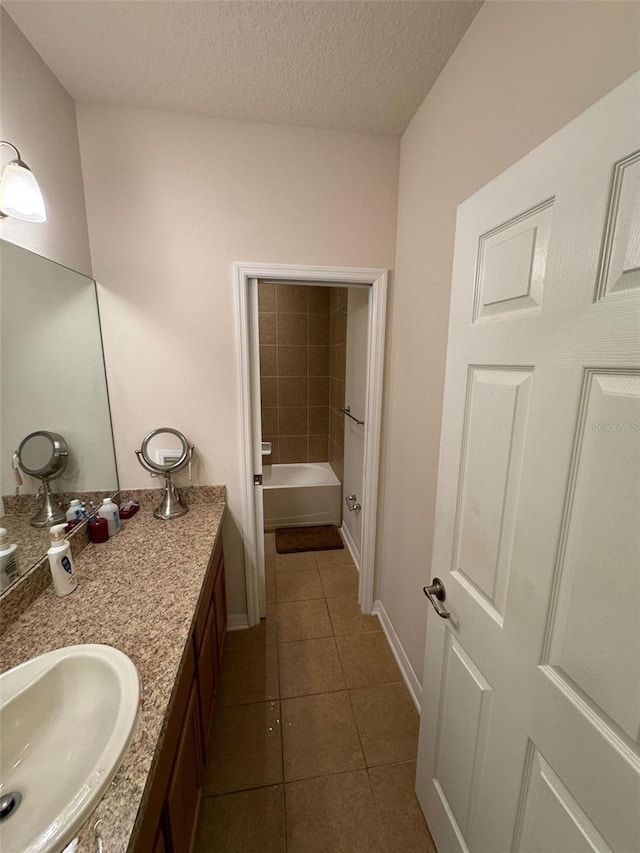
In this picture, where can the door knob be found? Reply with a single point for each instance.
(437, 593)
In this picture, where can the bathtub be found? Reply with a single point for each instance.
(301, 494)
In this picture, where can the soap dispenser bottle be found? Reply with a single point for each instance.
(9, 569)
(61, 563)
(74, 513)
(110, 511)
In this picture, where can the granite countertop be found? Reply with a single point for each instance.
(32, 542)
(137, 592)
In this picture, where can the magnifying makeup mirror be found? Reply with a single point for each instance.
(44, 454)
(164, 452)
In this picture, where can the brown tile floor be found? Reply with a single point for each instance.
(315, 737)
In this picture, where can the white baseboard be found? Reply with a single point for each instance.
(348, 541)
(237, 622)
(410, 678)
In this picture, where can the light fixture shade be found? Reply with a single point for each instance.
(20, 195)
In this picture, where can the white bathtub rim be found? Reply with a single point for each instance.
(318, 475)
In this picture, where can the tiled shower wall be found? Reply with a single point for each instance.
(337, 373)
(294, 371)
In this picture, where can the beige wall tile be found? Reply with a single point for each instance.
(292, 448)
(290, 317)
(337, 394)
(318, 420)
(319, 329)
(292, 361)
(332, 814)
(293, 420)
(247, 820)
(401, 820)
(318, 390)
(387, 722)
(267, 297)
(310, 666)
(318, 361)
(319, 736)
(293, 298)
(245, 749)
(341, 326)
(267, 328)
(269, 421)
(318, 448)
(293, 329)
(319, 300)
(292, 391)
(336, 427)
(269, 391)
(268, 361)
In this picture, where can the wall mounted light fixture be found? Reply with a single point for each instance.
(20, 195)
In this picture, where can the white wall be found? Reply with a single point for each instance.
(39, 116)
(172, 201)
(521, 72)
(356, 397)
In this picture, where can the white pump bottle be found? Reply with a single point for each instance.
(61, 562)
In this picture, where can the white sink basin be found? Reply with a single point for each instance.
(66, 721)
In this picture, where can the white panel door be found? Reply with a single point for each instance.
(531, 711)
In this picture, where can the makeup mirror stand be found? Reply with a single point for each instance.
(172, 505)
(50, 512)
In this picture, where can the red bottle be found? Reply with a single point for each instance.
(98, 529)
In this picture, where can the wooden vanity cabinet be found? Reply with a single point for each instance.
(207, 678)
(171, 812)
(185, 788)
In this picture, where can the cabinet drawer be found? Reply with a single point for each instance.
(206, 595)
(220, 604)
(207, 675)
(185, 788)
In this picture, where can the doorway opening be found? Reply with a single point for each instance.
(297, 399)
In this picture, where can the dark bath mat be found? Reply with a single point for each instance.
(290, 540)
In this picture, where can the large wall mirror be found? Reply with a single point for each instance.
(52, 383)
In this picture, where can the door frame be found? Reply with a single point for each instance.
(377, 280)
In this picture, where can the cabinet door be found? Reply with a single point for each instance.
(185, 787)
(220, 604)
(159, 844)
(207, 671)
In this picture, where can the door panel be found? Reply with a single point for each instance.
(512, 262)
(531, 709)
(493, 444)
(621, 248)
(552, 818)
(596, 622)
(466, 711)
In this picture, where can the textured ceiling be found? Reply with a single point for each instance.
(363, 66)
